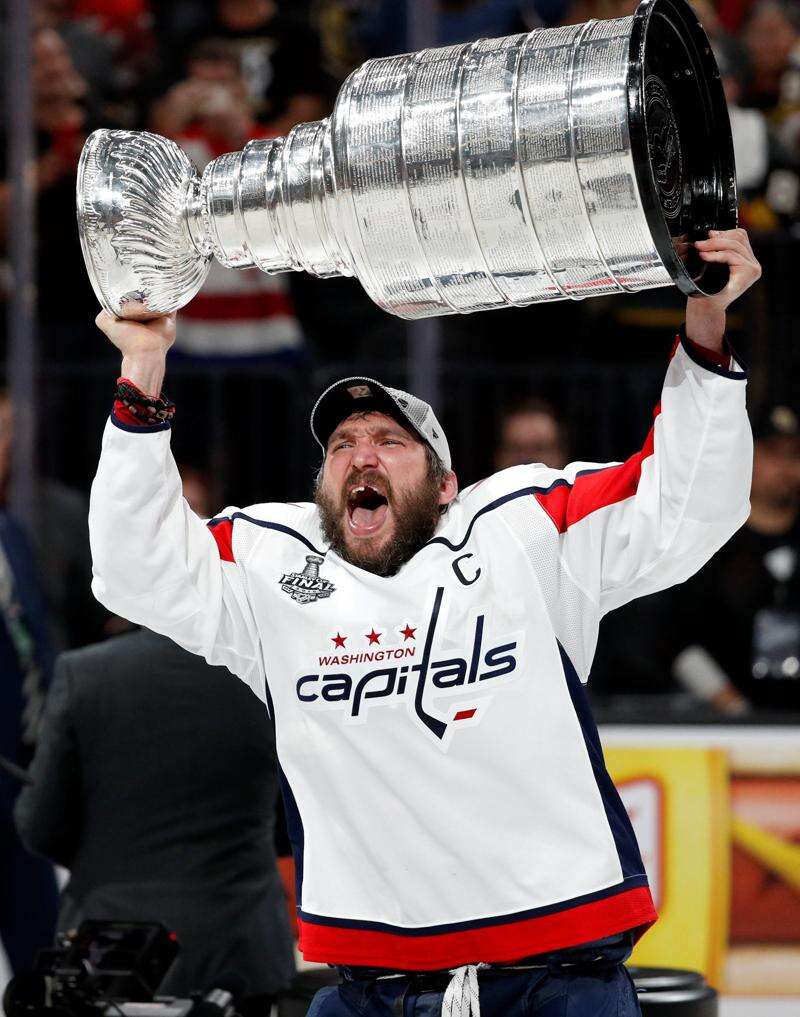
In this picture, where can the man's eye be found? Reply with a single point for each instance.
(340, 445)
(390, 441)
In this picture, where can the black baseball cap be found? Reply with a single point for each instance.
(357, 394)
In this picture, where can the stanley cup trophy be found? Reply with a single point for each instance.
(568, 162)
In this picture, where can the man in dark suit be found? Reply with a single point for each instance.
(155, 785)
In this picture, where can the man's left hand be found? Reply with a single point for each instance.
(705, 316)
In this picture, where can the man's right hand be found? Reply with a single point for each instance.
(143, 345)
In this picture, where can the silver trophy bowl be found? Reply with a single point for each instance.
(565, 163)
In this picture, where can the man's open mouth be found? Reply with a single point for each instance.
(367, 509)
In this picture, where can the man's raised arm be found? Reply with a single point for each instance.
(154, 561)
(632, 528)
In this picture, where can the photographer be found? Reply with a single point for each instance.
(236, 314)
(211, 103)
(740, 618)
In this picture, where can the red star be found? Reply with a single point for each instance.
(339, 640)
(374, 637)
(408, 632)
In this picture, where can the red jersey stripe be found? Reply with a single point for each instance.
(492, 944)
(567, 504)
(222, 532)
(238, 306)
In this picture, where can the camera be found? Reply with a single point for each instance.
(112, 968)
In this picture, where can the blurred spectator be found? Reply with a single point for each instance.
(531, 432)
(28, 896)
(211, 105)
(176, 20)
(65, 299)
(112, 44)
(59, 533)
(353, 30)
(239, 313)
(382, 27)
(732, 13)
(631, 665)
(197, 490)
(196, 851)
(278, 53)
(770, 34)
(739, 619)
(749, 126)
(337, 22)
(91, 55)
(788, 113)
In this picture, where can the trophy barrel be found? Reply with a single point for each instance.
(569, 162)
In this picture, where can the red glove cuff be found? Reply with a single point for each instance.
(136, 409)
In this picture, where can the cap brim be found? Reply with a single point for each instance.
(337, 403)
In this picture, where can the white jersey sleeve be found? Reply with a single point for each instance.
(158, 564)
(629, 529)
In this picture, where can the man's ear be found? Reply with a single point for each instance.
(448, 489)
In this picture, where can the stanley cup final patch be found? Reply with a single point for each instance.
(307, 586)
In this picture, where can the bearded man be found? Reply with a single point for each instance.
(423, 654)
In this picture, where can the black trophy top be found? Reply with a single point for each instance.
(680, 139)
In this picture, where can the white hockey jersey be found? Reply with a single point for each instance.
(444, 782)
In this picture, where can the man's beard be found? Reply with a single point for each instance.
(416, 516)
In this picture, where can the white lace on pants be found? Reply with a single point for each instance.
(461, 997)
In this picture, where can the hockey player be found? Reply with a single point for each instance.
(423, 654)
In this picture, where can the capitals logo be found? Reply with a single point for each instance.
(468, 678)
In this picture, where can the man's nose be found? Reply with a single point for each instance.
(365, 456)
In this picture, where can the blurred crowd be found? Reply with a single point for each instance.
(213, 74)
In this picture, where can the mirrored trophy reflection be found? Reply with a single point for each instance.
(564, 163)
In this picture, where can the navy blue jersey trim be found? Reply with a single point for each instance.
(294, 827)
(480, 923)
(624, 838)
(526, 491)
(269, 526)
(165, 425)
(270, 706)
(709, 365)
(499, 502)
